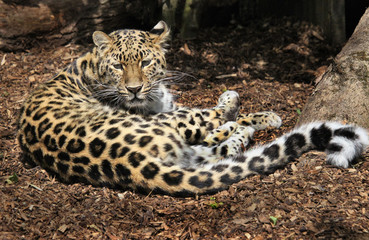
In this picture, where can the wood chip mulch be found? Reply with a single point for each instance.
(272, 64)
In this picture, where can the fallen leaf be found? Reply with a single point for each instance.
(3, 60)
(186, 50)
(63, 228)
(241, 220)
(294, 168)
(12, 179)
(262, 218)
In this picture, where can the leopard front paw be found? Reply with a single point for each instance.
(260, 120)
(229, 102)
(220, 134)
(236, 144)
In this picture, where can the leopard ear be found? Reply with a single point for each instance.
(101, 40)
(160, 33)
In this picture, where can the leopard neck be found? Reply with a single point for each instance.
(84, 70)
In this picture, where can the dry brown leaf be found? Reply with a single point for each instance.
(264, 219)
(292, 190)
(186, 50)
(241, 221)
(63, 228)
(294, 168)
(3, 60)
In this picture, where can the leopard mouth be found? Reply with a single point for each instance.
(137, 101)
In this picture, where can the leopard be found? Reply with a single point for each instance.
(108, 120)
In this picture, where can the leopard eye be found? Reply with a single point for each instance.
(118, 66)
(145, 63)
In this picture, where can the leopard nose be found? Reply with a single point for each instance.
(135, 89)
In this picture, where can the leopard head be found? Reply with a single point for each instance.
(131, 65)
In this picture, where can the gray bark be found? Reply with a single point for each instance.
(343, 92)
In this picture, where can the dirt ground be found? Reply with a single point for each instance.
(273, 65)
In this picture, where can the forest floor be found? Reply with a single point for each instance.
(273, 66)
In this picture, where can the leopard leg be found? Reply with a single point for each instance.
(228, 147)
(193, 125)
(220, 134)
(234, 145)
(229, 105)
(260, 120)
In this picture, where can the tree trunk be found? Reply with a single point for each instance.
(25, 23)
(187, 17)
(343, 92)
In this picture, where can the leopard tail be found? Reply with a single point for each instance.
(342, 143)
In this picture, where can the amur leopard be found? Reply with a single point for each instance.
(108, 120)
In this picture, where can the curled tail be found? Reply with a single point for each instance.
(342, 143)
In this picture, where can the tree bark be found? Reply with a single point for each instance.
(25, 23)
(343, 92)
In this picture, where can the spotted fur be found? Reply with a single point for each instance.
(108, 120)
